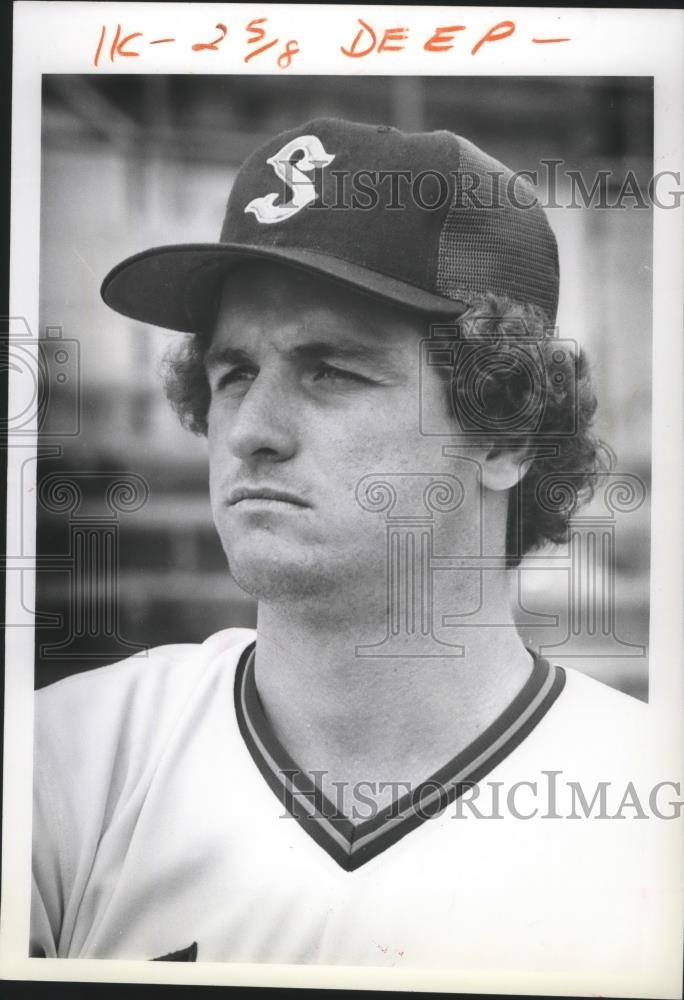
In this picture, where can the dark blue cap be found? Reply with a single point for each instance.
(423, 219)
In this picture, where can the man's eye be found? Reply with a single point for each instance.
(235, 376)
(330, 372)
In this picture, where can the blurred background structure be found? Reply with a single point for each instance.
(130, 161)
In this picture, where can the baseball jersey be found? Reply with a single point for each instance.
(170, 823)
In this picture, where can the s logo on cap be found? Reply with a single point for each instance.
(294, 175)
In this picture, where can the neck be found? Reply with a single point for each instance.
(382, 718)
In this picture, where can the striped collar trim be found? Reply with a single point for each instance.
(351, 845)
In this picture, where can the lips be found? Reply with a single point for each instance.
(264, 493)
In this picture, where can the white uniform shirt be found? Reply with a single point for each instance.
(161, 827)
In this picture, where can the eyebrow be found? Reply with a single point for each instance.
(311, 351)
(222, 355)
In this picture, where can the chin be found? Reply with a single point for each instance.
(278, 577)
(282, 585)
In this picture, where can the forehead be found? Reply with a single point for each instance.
(271, 301)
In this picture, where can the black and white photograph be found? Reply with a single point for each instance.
(343, 480)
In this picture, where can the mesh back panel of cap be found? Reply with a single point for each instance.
(488, 244)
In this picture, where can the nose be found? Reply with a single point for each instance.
(264, 426)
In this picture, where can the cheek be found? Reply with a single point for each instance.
(352, 462)
(220, 464)
(215, 425)
(374, 436)
(219, 424)
(211, 431)
(213, 456)
(368, 471)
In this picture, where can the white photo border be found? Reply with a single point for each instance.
(637, 42)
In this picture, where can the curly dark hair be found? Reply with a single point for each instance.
(525, 389)
(513, 381)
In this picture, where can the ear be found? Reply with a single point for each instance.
(502, 468)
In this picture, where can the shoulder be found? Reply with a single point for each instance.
(101, 705)
(100, 739)
(150, 672)
(590, 729)
(599, 702)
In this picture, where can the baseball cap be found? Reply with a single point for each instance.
(423, 219)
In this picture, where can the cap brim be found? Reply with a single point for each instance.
(177, 286)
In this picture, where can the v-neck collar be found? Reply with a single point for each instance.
(352, 845)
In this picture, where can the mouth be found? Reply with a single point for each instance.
(264, 494)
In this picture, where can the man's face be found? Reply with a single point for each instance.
(313, 387)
